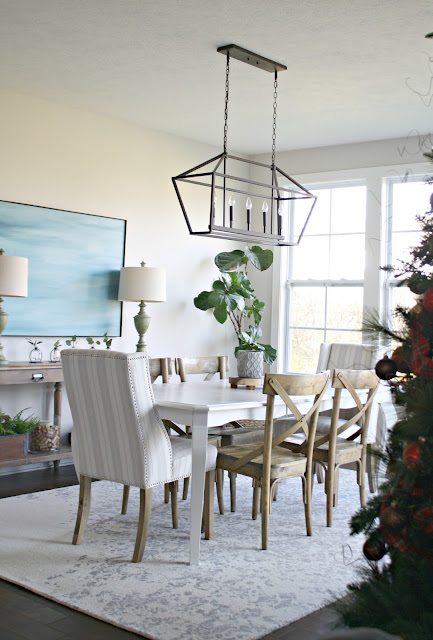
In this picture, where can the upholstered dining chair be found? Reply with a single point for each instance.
(118, 435)
(343, 441)
(267, 463)
(160, 367)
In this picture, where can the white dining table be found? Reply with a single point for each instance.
(202, 405)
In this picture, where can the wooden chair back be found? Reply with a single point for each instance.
(287, 386)
(202, 365)
(352, 380)
(160, 367)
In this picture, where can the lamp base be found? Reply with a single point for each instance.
(141, 321)
(3, 322)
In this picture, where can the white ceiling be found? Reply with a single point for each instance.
(155, 64)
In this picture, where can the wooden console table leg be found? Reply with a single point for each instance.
(56, 464)
(57, 403)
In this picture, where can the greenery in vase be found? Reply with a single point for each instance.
(72, 342)
(107, 340)
(16, 425)
(57, 344)
(232, 297)
(395, 593)
(92, 342)
(34, 343)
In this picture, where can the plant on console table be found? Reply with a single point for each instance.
(232, 297)
(12, 433)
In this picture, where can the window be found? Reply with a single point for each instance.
(325, 275)
(405, 200)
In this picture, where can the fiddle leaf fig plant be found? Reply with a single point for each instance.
(232, 297)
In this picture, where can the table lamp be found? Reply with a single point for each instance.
(142, 284)
(13, 283)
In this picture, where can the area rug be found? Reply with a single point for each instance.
(237, 591)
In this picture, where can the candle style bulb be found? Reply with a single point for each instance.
(231, 207)
(249, 206)
(265, 208)
(280, 219)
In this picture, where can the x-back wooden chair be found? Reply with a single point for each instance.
(268, 463)
(330, 449)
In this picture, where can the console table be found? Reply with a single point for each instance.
(37, 373)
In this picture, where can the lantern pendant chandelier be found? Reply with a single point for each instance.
(241, 199)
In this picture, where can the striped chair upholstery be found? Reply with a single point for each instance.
(117, 433)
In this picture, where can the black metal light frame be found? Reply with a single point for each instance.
(214, 174)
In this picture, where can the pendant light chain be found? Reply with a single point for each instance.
(226, 104)
(274, 125)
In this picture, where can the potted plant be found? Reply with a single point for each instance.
(55, 352)
(232, 297)
(12, 434)
(35, 354)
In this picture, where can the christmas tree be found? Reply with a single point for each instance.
(395, 591)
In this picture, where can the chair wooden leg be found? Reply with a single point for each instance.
(125, 499)
(256, 499)
(361, 482)
(232, 477)
(336, 484)
(220, 487)
(83, 509)
(166, 493)
(266, 503)
(372, 470)
(319, 473)
(185, 488)
(174, 486)
(143, 524)
(307, 483)
(329, 489)
(208, 504)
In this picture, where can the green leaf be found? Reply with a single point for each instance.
(259, 258)
(270, 354)
(220, 313)
(219, 286)
(228, 260)
(201, 302)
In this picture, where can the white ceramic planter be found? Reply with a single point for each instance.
(250, 364)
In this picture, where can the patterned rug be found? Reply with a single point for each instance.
(238, 591)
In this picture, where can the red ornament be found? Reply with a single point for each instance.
(421, 363)
(391, 519)
(412, 456)
(427, 300)
(423, 519)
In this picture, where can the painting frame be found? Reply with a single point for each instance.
(74, 263)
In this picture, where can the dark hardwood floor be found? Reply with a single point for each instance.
(27, 616)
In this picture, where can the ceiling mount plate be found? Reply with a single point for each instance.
(239, 53)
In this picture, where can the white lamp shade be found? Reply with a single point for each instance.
(13, 276)
(142, 283)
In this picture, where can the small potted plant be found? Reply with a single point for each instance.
(72, 342)
(12, 434)
(35, 354)
(55, 352)
(233, 297)
(107, 340)
(92, 342)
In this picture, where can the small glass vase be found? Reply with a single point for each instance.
(55, 355)
(35, 355)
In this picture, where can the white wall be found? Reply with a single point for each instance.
(63, 158)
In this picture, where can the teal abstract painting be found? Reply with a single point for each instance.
(74, 262)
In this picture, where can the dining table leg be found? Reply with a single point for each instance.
(199, 428)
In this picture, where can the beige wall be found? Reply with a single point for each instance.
(63, 158)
